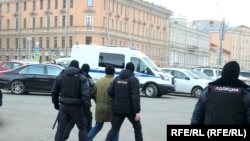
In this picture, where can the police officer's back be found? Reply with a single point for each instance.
(225, 100)
(74, 98)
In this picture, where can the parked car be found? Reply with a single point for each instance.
(186, 81)
(30, 78)
(215, 73)
(9, 65)
(202, 75)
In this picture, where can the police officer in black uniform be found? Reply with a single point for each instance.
(125, 91)
(84, 71)
(225, 100)
(74, 99)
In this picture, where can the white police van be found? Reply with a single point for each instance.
(153, 82)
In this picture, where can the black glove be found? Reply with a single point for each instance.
(56, 105)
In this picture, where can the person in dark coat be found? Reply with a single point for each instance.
(84, 71)
(224, 101)
(103, 109)
(125, 91)
(73, 100)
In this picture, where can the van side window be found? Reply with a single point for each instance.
(140, 66)
(116, 60)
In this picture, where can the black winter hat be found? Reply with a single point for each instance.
(74, 63)
(231, 69)
(110, 70)
(85, 68)
(130, 66)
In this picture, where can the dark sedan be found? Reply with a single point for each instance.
(30, 78)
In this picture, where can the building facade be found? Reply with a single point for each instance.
(237, 42)
(214, 56)
(47, 29)
(189, 48)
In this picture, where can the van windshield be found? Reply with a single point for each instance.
(150, 63)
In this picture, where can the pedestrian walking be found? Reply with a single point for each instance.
(84, 71)
(103, 109)
(125, 91)
(224, 101)
(74, 99)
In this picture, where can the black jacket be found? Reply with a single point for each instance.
(81, 89)
(125, 91)
(198, 116)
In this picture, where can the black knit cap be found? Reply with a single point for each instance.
(85, 68)
(130, 66)
(231, 69)
(74, 63)
(110, 70)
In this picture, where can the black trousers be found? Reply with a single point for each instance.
(68, 113)
(116, 125)
(71, 123)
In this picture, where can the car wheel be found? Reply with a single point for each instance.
(151, 90)
(17, 87)
(196, 92)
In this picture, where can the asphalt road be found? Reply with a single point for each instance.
(30, 118)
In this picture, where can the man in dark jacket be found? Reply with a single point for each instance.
(225, 100)
(84, 71)
(125, 91)
(74, 98)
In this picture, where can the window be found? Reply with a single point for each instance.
(71, 20)
(0, 24)
(7, 43)
(48, 23)
(33, 23)
(70, 42)
(53, 70)
(89, 3)
(24, 43)
(63, 21)
(0, 8)
(88, 40)
(8, 7)
(41, 4)
(16, 25)
(104, 22)
(55, 21)
(56, 4)
(34, 5)
(33, 70)
(33, 43)
(47, 42)
(40, 42)
(16, 43)
(24, 6)
(8, 24)
(116, 60)
(41, 22)
(48, 4)
(63, 42)
(0, 43)
(55, 42)
(89, 21)
(71, 3)
(17, 7)
(64, 3)
(24, 23)
(140, 66)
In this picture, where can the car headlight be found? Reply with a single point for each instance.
(164, 77)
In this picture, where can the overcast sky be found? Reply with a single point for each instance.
(235, 12)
